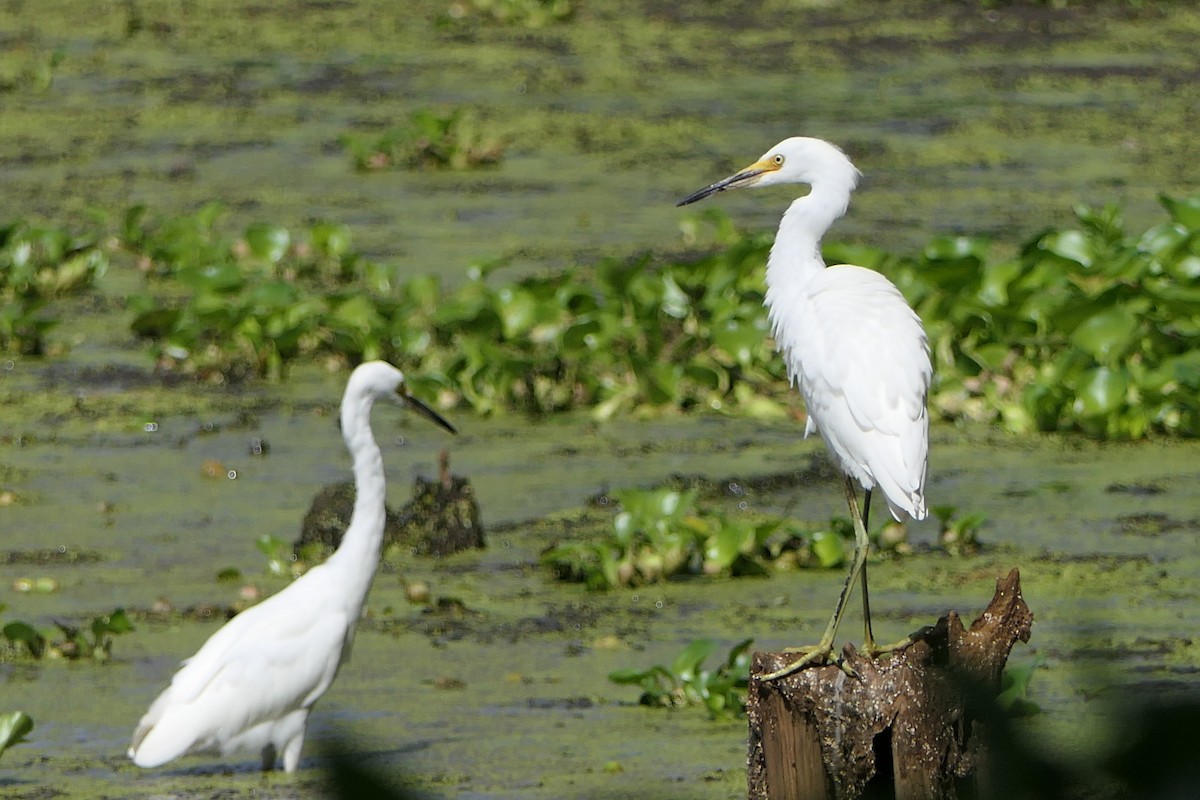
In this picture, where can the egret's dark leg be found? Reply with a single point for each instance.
(869, 646)
(868, 635)
(823, 652)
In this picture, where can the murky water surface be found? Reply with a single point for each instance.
(987, 121)
(532, 714)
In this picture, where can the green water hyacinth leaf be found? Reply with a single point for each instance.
(1185, 211)
(687, 664)
(997, 277)
(1071, 245)
(674, 300)
(724, 547)
(116, 622)
(224, 277)
(739, 338)
(955, 248)
(518, 311)
(268, 242)
(828, 548)
(1106, 336)
(1014, 689)
(1101, 390)
(722, 691)
(14, 727)
(1165, 241)
(274, 294)
(424, 292)
(26, 634)
(1011, 338)
(356, 313)
(330, 239)
(992, 356)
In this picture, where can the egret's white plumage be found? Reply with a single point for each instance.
(251, 686)
(851, 343)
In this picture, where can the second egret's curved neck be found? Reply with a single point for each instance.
(796, 253)
(358, 553)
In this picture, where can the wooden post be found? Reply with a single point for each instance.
(898, 727)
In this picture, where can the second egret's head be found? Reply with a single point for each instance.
(795, 160)
(379, 379)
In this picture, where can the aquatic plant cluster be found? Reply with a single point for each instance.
(37, 265)
(1089, 329)
(450, 139)
(722, 691)
(14, 727)
(661, 533)
(91, 642)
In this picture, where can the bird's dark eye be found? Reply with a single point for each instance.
(778, 159)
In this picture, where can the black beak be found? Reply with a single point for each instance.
(426, 411)
(720, 186)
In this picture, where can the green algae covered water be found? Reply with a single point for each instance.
(119, 490)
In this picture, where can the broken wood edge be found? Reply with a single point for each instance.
(813, 734)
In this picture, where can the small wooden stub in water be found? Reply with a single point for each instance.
(901, 727)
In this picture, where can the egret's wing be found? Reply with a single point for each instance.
(282, 618)
(872, 349)
(272, 658)
(861, 358)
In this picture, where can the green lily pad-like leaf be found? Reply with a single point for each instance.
(268, 242)
(424, 291)
(723, 548)
(828, 548)
(1101, 391)
(739, 338)
(1107, 335)
(1071, 245)
(273, 295)
(954, 248)
(330, 239)
(1163, 240)
(687, 664)
(674, 299)
(628, 675)
(14, 727)
(992, 356)
(1178, 370)
(225, 277)
(26, 634)
(993, 289)
(1185, 211)
(357, 313)
(517, 309)
(116, 622)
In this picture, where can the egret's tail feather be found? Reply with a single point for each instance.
(153, 747)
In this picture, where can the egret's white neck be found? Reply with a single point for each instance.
(358, 554)
(796, 253)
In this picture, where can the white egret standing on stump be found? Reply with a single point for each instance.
(251, 685)
(853, 346)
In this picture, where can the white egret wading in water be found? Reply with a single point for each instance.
(853, 346)
(251, 685)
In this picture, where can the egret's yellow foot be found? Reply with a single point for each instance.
(873, 650)
(812, 656)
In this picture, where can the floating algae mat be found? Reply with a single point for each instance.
(117, 490)
(498, 687)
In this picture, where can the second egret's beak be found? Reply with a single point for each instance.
(425, 410)
(746, 177)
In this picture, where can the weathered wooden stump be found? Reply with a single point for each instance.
(900, 727)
